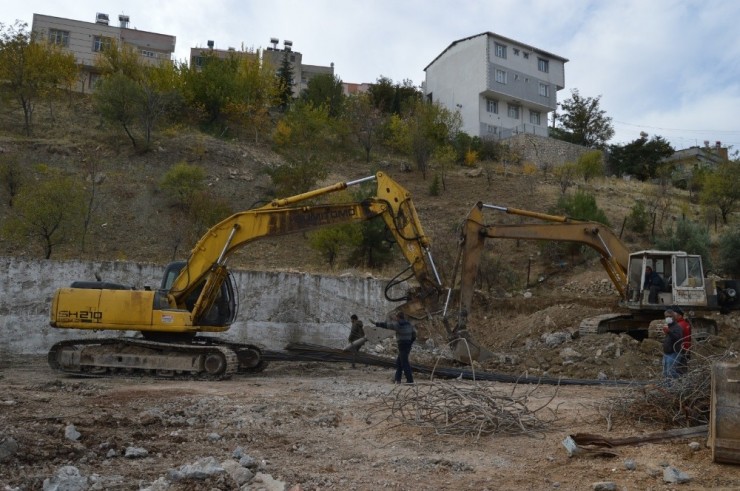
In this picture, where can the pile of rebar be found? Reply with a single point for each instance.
(469, 409)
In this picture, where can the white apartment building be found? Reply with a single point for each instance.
(500, 86)
(87, 39)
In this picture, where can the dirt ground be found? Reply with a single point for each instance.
(317, 426)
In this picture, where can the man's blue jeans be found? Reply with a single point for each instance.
(402, 362)
(670, 365)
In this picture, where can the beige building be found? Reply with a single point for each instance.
(87, 39)
(198, 55)
(302, 74)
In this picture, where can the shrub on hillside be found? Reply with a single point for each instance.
(688, 237)
(729, 259)
(181, 183)
(639, 218)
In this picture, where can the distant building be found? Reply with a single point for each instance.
(500, 86)
(689, 160)
(86, 40)
(354, 89)
(197, 55)
(302, 74)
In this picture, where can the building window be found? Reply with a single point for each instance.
(534, 117)
(543, 65)
(501, 50)
(544, 90)
(516, 51)
(525, 55)
(148, 54)
(492, 130)
(101, 43)
(513, 111)
(500, 76)
(198, 61)
(59, 37)
(492, 106)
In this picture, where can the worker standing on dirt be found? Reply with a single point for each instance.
(356, 333)
(682, 364)
(671, 345)
(405, 337)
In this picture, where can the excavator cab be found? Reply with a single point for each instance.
(223, 311)
(682, 275)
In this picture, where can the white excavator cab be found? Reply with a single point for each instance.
(682, 274)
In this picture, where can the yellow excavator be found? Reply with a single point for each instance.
(684, 282)
(197, 296)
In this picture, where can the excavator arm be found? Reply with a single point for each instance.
(614, 256)
(205, 270)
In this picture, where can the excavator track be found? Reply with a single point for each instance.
(129, 357)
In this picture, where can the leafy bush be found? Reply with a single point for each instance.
(329, 242)
(591, 165)
(689, 237)
(181, 183)
(729, 259)
(581, 206)
(435, 186)
(639, 218)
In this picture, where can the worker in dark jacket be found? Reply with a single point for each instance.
(672, 344)
(653, 283)
(405, 337)
(356, 333)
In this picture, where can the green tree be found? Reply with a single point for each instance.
(721, 188)
(581, 205)
(375, 249)
(729, 259)
(364, 122)
(423, 130)
(329, 242)
(285, 80)
(591, 165)
(255, 92)
(566, 176)
(640, 158)
(12, 177)
(583, 122)
(181, 183)
(638, 218)
(325, 90)
(48, 213)
(31, 69)
(393, 98)
(135, 94)
(688, 237)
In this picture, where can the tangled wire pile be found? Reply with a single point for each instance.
(673, 403)
(469, 409)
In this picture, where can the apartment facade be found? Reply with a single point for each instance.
(302, 74)
(86, 40)
(500, 86)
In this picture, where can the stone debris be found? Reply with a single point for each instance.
(8, 448)
(71, 433)
(630, 465)
(67, 478)
(135, 453)
(675, 476)
(604, 486)
(694, 446)
(201, 469)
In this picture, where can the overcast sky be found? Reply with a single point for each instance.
(666, 67)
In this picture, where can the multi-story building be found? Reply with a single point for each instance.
(500, 86)
(302, 74)
(689, 160)
(198, 55)
(86, 40)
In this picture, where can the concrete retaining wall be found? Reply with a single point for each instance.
(275, 307)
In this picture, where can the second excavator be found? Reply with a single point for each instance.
(683, 279)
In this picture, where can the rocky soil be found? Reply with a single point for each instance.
(317, 426)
